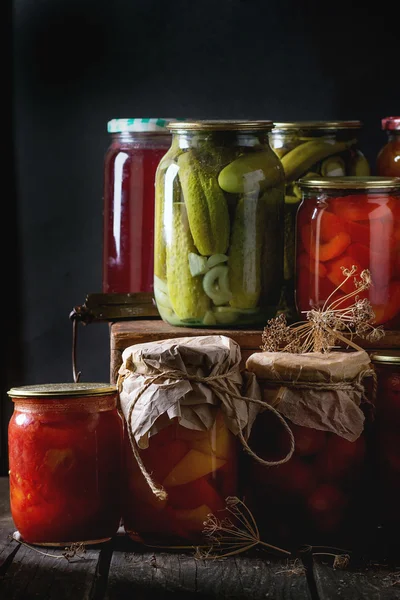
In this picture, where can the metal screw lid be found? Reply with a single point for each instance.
(58, 390)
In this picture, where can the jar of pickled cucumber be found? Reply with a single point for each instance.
(346, 222)
(307, 149)
(388, 159)
(218, 257)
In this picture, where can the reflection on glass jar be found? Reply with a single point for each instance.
(388, 159)
(385, 450)
(345, 222)
(219, 225)
(197, 469)
(65, 457)
(309, 149)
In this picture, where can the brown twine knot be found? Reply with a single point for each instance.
(219, 384)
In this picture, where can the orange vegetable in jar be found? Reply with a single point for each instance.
(197, 470)
(344, 222)
(183, 407)
(65, 460)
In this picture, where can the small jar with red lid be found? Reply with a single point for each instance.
(388, 159)
(344, 222)
(65, 461)
(131, 160)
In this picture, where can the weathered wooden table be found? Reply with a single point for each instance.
(120, 570)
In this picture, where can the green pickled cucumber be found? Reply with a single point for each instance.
(272, 246)
(303, 157)
(333, 166)
(186, 293)
(206, 205)
(360, 166)
(251, 172)
(245, 252)
(166, 184)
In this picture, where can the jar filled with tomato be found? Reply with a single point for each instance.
(65, 461)
(345, 222)
(385, 451)
(388, 159)
(314, 493)
(311, 149)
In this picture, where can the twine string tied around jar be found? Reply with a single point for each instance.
(221, 384)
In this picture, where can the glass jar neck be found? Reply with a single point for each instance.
(393, 135)
(193, 139)
(142, 138)
(310, 134)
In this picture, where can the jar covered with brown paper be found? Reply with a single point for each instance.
(314, 497)
(185, 404)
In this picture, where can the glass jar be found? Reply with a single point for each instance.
(197, 469)
(314, 496)
(310, 148)
(384, 494)
(388, 159)
(345, 222)
(218, 228)
(65, 456)
(137, 146)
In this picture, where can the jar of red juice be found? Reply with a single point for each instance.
(198, 471)
(65, 461)
(388, 159)
(385, 450)
(345, 222)
(131, 160)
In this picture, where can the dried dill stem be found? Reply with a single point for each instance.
(75, 550)
(239, 533)
(326, 326)
(228, 536)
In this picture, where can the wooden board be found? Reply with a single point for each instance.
(127, 333)
(122, 570)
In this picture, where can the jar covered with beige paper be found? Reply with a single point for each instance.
(184, 411)
(317, 496)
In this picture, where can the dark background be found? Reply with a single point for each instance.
(78, 63)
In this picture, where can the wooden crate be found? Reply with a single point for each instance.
(127, 333)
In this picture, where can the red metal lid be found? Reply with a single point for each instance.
(391, 123)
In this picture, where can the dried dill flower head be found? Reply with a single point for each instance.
(324, 327)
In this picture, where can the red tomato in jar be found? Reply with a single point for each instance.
(326, 505)
(339, 459)
(293, 479)
(308, 441)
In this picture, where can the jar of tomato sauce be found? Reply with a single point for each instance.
(65, 456)
(388, 159)
(385, 449)
(344, 222)
(136, 148)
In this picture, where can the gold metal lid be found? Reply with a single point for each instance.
(319, 125)
(57, 390)
(221, 126)
(373, 182)
(386, 356)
